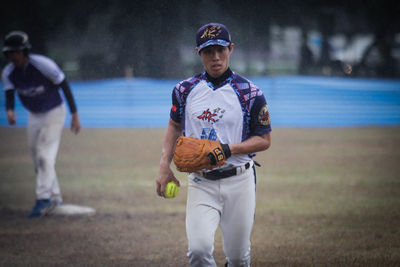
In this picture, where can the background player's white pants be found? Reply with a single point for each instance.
(228, 202)
(44, 134)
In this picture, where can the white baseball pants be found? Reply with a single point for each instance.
(44, 135)
(229, 203)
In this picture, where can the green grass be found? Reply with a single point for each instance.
(325, 197)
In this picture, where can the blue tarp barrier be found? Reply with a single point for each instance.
(294, 101)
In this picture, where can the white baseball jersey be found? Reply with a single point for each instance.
(230, 113)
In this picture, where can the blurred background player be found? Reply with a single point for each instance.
(220, 105)
(37, 80)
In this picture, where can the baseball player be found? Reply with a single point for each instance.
(37, 80)
(218, 105)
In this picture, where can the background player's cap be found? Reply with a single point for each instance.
(213, 34)
(16, 41)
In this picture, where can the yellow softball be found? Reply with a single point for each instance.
(171, 190)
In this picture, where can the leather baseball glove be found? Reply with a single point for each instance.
(192, 154)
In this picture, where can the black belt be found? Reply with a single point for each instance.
(223, 173)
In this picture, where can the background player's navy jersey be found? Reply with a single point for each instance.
(37, 84)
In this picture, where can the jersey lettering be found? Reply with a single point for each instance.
(218, 152)
(207, 115)
(31, 92)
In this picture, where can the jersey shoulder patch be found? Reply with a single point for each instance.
(263, 116)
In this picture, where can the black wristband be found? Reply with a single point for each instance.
(227, 150)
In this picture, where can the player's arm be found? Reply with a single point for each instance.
(10, 105)
(75, 121)
(252, 145)
(165, 173)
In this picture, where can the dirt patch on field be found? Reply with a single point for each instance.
(325, 197)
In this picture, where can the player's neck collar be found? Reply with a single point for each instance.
(217, 81)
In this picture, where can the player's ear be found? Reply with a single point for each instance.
(231, 46)
(197, 51)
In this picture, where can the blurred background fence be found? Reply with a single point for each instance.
(294, 101)
(105, 39)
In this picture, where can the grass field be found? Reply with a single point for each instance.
(325, 197)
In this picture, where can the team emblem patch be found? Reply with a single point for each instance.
(263, 116)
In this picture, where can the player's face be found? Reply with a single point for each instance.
(18, 58)
(215, 59)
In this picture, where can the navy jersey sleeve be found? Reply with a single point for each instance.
(259, 117)
(175, 109)
(179, 95)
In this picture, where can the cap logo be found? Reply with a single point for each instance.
(211, 32)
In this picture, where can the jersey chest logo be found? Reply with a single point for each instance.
(32, 91)
(210, 116)
(213, 116)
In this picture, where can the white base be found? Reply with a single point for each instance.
(70, 209)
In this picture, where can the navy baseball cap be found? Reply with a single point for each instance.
(212, 34)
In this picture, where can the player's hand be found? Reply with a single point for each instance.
(165, 175)
(75, 123)
(11, 117)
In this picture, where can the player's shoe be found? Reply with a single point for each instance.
(41, 208)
